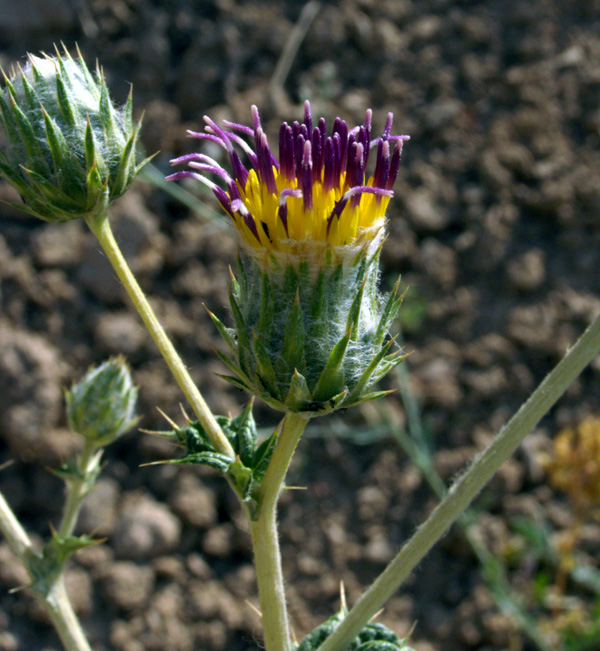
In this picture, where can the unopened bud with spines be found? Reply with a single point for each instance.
(101, 406)
(70, 151)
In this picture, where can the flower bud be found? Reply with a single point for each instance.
(69, 150)
(101, 406)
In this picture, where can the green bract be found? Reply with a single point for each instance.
(101, 406)
(69, 150)
(311, 339)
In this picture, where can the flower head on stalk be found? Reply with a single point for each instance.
(70, 151)
(311, 331)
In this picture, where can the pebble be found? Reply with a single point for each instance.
(145, 529)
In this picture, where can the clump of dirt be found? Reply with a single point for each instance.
(494, 227)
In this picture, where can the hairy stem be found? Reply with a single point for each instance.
(467, 487)
(56, 600)
(265, 540)
(64, 618)
(78, 489)
(100, 226)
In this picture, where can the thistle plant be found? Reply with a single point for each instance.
(311, 331)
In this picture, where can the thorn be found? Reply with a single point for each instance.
(253, 608)
(343, 603)
(376, 615)
(172, 423)
(295, 488)
(187, 418)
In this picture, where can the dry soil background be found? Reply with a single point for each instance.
(494, 226)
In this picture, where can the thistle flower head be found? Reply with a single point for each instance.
(317, 196)
(69, 151)
(101, 406)
(310, 328)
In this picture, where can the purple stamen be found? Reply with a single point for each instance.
(307, 117)
(255, 117)
(265, 166)
(337, 160)
(317, 155)
(394, 164)
(328, 165)
(307, 176)
(382, 166)
(239, 127)
(239, 207)
(388, 126)
(322, 125)
(287, 164)
(240, 173)
(298, 153)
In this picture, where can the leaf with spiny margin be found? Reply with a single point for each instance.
(224, 332)
(364, 380)
(68, 471)
(241, 431)
(241, 476)
(292, 349)
(332, 376)
(262, 456)
(298, 395)
(195, 439)
(215, 460)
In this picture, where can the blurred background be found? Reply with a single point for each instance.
(494, 228)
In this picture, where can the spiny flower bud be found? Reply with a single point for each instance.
(69, 151)
(310, 327)
(101, 406)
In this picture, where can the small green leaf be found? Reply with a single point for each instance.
(244, 427)
(299, 396)
(262, 456)
(214, 460)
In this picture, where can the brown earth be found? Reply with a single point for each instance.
(494, 227)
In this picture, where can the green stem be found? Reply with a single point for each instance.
(64, 618)
(56, 600)
(100, 226)
(466, 488)
(265, 541)
(78, 488)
